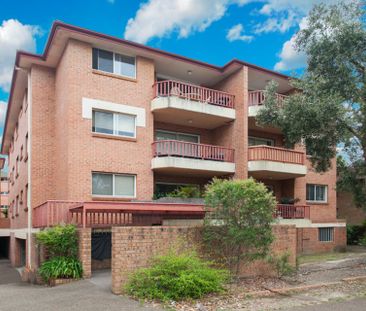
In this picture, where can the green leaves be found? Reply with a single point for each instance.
(176, 277)
(59, 240)
(239, 220)
(61, 267)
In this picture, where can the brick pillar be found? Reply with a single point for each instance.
(85, 250)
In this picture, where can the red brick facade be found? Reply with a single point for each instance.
(62, 151)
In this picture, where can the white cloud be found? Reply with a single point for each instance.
(160, 18)
(3, 107)
(290, 58)
(237, 33)
(278, 24)
(14, 36)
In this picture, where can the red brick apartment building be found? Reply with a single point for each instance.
(98, 124)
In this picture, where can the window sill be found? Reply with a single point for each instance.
(316, 203)
(99, 135)
(113, 75)
(107, 198)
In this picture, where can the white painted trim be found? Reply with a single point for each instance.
(29, 169)
(280, 167)
(192, 164)
(178, 103)
(88, 104)
(324, 225)
(21, 233)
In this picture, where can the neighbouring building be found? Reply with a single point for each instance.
(98, 125)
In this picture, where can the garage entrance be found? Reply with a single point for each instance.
(4, 247)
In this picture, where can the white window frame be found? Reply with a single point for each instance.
(115, 122)
(330, 235)
(325, 193)
(182, 133)
(114, 61)
(264, 139)
(113, 186)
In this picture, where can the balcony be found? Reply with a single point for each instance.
(174, 157)
(188, 104)
(275, 163)
(288, 211)
(256, 100)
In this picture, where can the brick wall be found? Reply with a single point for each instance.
(85, 251)
(308, 241)
(347, 210)
(133, 247)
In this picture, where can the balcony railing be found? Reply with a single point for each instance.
(268, 153)
(288, 211)
(183, 149)
(193, 92)
(256, 98)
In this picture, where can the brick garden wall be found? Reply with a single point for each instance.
(85, 251)
(133, 247)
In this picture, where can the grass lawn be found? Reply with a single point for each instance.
(323, 257)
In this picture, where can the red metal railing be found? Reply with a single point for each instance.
(257, 98)
(52, 213)
(193, 92)
(177, 148)
(268, 153)
(288, 211)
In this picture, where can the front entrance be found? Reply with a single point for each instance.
(4, 247)
(101, 249)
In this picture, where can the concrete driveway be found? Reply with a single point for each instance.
(79, 295)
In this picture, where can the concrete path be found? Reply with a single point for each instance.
(7, 273)
(83, 295)
(358, 304)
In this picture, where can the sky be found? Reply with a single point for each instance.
(215, 31)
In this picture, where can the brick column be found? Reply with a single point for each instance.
(85, 250)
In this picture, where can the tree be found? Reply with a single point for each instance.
(239, 223)
(330, 109)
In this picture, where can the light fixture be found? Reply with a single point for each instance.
(189, 72)
(190, 121)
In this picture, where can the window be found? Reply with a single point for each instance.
(26, 148)
(17, 167)
(25, 100)
(17, 206)
(114, 124)
(316, 193)
(168, 135)
(114, 63)
(21, 197)
(326, 234)
(116, 185)
(21, 153)
(26, 197)
(256, 141)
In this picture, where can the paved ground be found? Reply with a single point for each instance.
(350, 305)
(81, 295)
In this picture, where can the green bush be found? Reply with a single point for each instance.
(355, 233)
(61, 267)
(186, 192)
(59, 241)
(176, 277)
(281, 264)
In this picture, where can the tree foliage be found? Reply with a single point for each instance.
(330, 109)
(239, 221)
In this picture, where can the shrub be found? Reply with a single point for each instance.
(186, 192)
(281, 264)
(355, 233)
(61, 267)
(59, 241)
(239, 222)
(175, 277)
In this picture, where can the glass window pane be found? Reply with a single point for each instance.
(188, 138)
(161, 135)
(320, 193)
(95, 58)
(105, 61)
(125, 125)
(310, 192)
(124, 65)
(124, 185)
(102, 184)
(103, 122)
